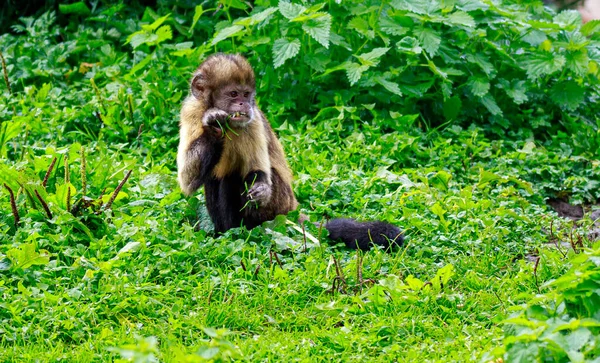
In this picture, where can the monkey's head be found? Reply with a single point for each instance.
(226, 82)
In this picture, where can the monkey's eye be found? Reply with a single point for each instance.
(233, 94)
(246, 94)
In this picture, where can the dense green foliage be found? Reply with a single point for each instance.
(454, 119)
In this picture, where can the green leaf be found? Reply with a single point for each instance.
(197, 14)
(417, 6)
(460, 18)
(409, 45)
(578, 62)
(482, 61)
(163, 33)
(361, 26)
(236, 4)
(263, 15)
(430, 40)
(478, 86)
(284, 50)
(515, 90)
(390, 86)
(79, 8)
(372, 58)
(25, 256)
(568, 18)
(490, 103)
(441, 180)
(354, 71)
(158, 22)
(591, 27)
(225, 33)
(390, 27)
(452, 108)
(544, 63)
(289, 10)
(319, 28)
(444, 274)
(567, 94)
(485, 177)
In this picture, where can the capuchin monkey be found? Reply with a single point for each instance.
(227, 145)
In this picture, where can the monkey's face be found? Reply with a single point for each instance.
(238, 101)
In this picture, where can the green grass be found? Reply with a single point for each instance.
(146, 280)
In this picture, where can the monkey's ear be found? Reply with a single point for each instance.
(198, 86)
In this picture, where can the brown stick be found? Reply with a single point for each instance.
(5, 73)
(48, 172)
(273, 253)
(13, 206)
(116, 192)
(44, 204)
(83, 172)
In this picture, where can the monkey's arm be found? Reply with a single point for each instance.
(200, 149)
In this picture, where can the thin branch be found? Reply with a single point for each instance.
(13, 206)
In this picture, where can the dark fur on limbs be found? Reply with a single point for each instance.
(360, 235)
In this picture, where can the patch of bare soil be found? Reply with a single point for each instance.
(577, 213)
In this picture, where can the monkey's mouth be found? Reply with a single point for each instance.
(239, 118)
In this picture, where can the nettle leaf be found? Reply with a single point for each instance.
(578, 62)
(158, 22)
(263, 15)
(590, 27)
(372, 58)
(390, 86)
(535, 37)
(515, 90)
(416, 89)
(478, 86)
(225, 33)
(490, 103)
(567, 94)
(141, 38)
(409, 45)
(164, 33)
(289, 10)
(470, 5)
(361, 26)
(390, 27)
(430, 40)
(460, 18)
(482, 61)
(319, 28)
(568, 18)
(198, 11)
(284, 50)
(354, 71)
(416, 6)
(543, 63)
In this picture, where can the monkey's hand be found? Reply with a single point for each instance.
(214, 117)
(260, 193)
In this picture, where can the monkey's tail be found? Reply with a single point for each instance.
(361, 235)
